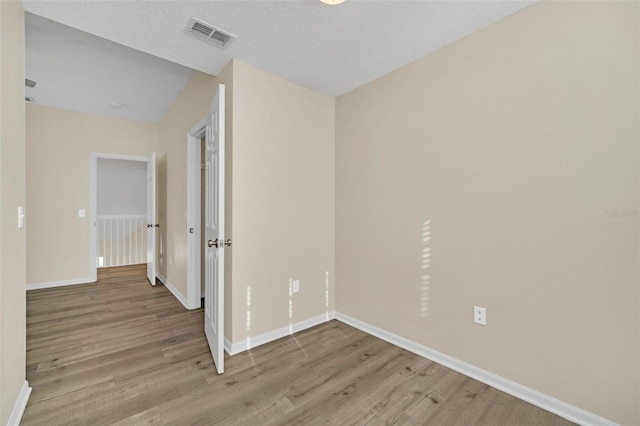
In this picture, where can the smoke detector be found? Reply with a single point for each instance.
(208, 33)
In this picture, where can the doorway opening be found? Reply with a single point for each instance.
(196, 186)
(121, 213)
(205, 222)
(122, 201)
(203, 177)
(196, 200)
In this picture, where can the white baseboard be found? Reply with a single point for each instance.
(546, 402)
(51, 284)
(173, 290)
(254, 341)
(20, 405)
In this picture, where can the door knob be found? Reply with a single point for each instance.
(219, 243)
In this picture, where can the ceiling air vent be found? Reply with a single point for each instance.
(209, 33)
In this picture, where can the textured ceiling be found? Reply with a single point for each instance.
(330, 49)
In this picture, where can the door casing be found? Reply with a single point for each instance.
(194, 203)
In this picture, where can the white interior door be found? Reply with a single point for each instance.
(151, 219)
(214, 230)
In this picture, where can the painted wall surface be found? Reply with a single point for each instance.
(189, 108)
(502, 171)
(121, 187)
(59, 143)
(283, 202)
(12, 195)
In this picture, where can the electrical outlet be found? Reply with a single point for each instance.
(480, 315)
(296, 286)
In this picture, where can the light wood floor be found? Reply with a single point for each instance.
(123, 352)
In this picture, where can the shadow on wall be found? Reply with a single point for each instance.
(161, 199)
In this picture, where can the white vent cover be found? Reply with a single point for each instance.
(207, 32)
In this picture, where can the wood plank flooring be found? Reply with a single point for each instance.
(123, 352)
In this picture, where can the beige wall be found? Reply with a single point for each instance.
(59, 143)
(283, 201)
(481, 175)
(280, 215)
(189, 108)
(12, 195)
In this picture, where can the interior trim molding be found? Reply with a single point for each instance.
(194, 201)
(173, 290)
(20, 405)
(546, 402)
(255, 341)
(62, 283)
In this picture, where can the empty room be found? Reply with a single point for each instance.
(319, 212)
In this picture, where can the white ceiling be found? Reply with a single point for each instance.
(330, 49)
(81, 72)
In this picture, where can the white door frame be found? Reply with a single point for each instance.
(194, 203)
(93, 202)
(152, 220)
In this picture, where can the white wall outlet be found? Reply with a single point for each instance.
(295, 286)
(82, 213)
(480, 315)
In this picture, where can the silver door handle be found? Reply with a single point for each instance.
(219, 243)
